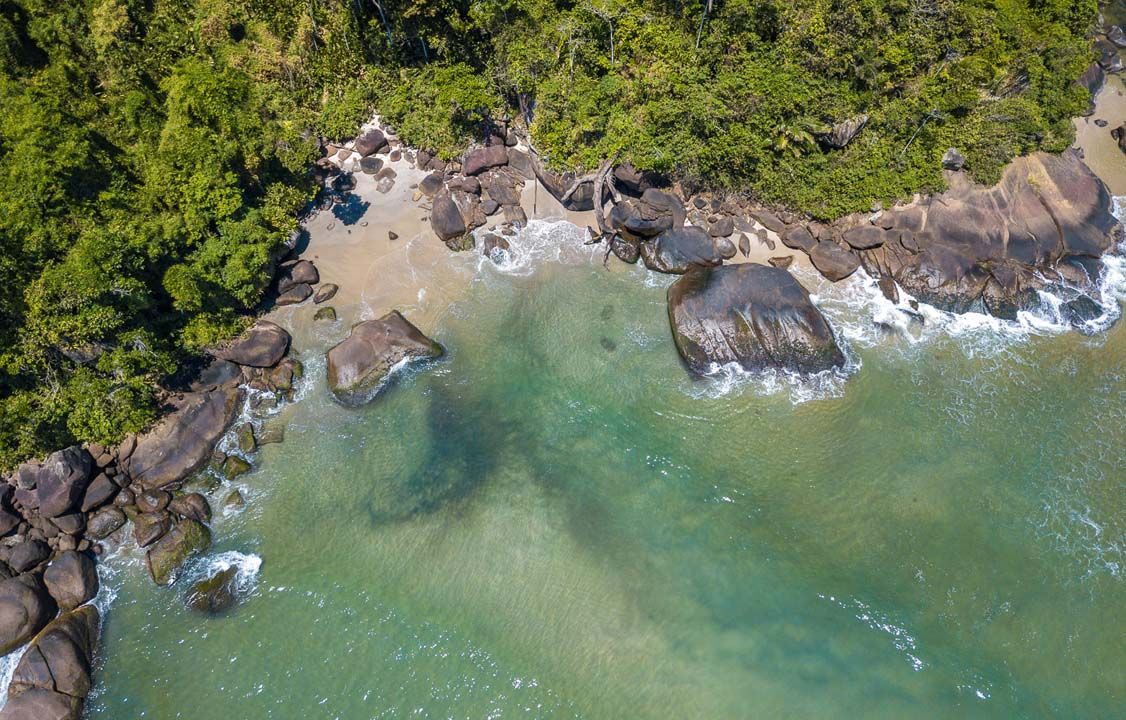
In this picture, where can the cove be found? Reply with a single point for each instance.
(555, 520)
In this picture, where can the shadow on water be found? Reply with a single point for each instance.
(466, 438)
(351, 209)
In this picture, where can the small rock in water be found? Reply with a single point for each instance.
(781, 261)
(272, 433)
(327, 313)
(1101, 123)
(216, 593)
(607, 312)
(234, 500)
(608, 345)
(392, 235)
(234, 466)
(332, 226)
(244, 435)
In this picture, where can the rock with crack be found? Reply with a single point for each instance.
(753, 315)
(54, 675)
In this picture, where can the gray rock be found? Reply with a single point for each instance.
(193, 506)
(833, 261)
(28, 555)
(953, 160)
(104, 522)
(676, 251)
(369, 142)
(325, 292)
(481, 159)
(61, 480)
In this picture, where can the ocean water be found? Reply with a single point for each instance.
(556, 521)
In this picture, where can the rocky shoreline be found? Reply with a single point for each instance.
(1044, 226)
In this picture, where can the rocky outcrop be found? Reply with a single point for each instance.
(358, 365)
(261, 346)
(183, 440)
(1048, 220)
(54, 676)
(753, 315)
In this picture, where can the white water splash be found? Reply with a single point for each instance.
(247, 567)
(542, 241)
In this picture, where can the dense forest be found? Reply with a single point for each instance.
(154, 154)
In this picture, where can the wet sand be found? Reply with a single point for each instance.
(1100, 149)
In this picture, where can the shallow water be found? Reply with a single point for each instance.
(556, 521)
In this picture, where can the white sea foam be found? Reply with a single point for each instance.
(247, 567)
(542, 241)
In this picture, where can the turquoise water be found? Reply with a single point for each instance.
(555, 521)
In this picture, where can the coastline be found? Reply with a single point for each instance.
(417, 274)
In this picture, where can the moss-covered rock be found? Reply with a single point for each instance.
(166, 556)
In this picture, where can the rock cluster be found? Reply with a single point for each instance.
(57, 513)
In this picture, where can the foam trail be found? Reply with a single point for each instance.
(542, 241)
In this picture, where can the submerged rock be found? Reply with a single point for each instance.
(358, 365)
(216, 593)
(750, 314)
(999, 245)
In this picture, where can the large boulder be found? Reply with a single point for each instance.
(833, 261)
(974, 247)
(445, 217)
(169, 553)
(104, 522)
(358, 365)
(25, 607)
(59, 482)
(56, 669)
(40, 704)
(184, 439)
(72, 579)
(28, 555)
(261, 346)
(369, 142)
(678, 250)
(301, 272)
(750, 314)
(479, 160)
